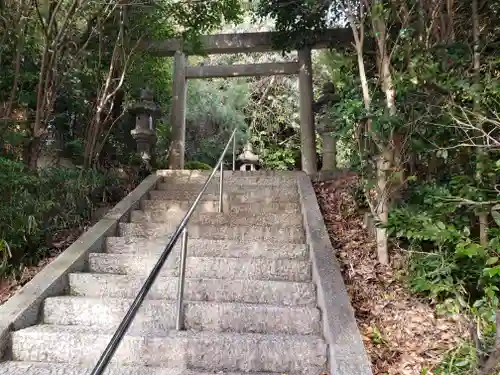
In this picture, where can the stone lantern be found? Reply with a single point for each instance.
(327, 131)
(144, 134)
(326, 127)
(249, 161)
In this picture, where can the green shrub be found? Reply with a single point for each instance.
(461, 360)
(197, 165)
(279, 158)
(446, 263)
(446, 260)
(34, 207)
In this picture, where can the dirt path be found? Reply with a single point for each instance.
(401, 333)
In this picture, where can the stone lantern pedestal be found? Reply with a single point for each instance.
(144, 133)
(249, 161)
(329, 145)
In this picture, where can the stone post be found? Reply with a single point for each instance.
(307, 131)
(329, 145)
(145, 111)
(178, 115)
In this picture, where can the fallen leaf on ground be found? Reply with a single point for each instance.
(401, 333)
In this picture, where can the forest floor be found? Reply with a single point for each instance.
(401, 332)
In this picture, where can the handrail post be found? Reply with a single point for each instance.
(179, 325)
(234, 152)
(221, 185)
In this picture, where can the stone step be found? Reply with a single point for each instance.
(157, 318)
(43, 368)
(186, 349)
(208, 248)
(237, 173)
(203, 267)
(236, 178)
(158, 215)
(161, 195)
(214, 186)
(242, 196)
(264, 173)
(244, 182)
(283, 293)
(230, 207)
(279, 233)
(208, 206)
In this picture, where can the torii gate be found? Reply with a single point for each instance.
(245, 42)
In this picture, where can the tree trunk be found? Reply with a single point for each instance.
(382, 210)
(481, 154)
(20, 32)
(388, 157)
(31, 152)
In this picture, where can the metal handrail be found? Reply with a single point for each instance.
(108, 353)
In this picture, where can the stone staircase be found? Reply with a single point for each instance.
(251, 305)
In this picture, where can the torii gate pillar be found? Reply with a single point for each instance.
(178, 114)
(307, 131)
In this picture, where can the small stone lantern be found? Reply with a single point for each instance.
(145, 112)
(326, 127)
(249, 161)
(327, 131)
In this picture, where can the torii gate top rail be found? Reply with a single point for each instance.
(245, 42)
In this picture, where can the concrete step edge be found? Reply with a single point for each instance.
(277, 218)
(277, 293)
(156, 302)
(213, 205)
(156, 316)
(194, 225)
(44, 368)
(228, 197)
(173, 334)
(188, 349)
(287, 234)
(213, 186)
(210, 248)
(205, 267)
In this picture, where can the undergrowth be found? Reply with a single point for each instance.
(37, 206)
(449, 267)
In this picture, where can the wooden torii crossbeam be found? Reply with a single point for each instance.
(238, 43)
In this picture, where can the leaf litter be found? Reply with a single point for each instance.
(402, 333)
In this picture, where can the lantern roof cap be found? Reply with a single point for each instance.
(247, 156)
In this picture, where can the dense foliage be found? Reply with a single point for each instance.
(417, 110)
(37, 207)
